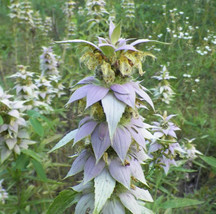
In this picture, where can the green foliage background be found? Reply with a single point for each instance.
(194, 102)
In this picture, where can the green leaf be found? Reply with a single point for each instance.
(1, 120)
(66, 139)
(104, 186)
(113, 109)
(37, 127)
(33, 113)
(107, 49)
(39, 169)
(32, 154)
(180, 202)
(116, 34)
(209, 160)
(64, 200)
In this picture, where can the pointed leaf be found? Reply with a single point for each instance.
(111, 28)
(141, 194)
(209, 160)
(83, 187)
(120, 172)
(121, 142)
(126, 48)
(85, 130)
(136, 171)
(147, 40)
(79, 41)
(39, 169)
(121, 89)
(95, 94)
(91, 169)
(116, 33)
(130, 202)
(100, 140)
(180, 202)
(104, 186)
(113, 110)
(79, 93)
(85, 204)
(113, 207)
(36, 125)
(78, 164)
(86, 80)
(143, 94)
(65, 140)
(64, 200)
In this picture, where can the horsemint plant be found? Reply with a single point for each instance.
(14, 135)
(113, 134)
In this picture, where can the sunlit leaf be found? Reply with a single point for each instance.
(65, 140)
(116, 33)
(104, 186)
(113, 109)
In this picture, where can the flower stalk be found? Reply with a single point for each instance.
(113, 133)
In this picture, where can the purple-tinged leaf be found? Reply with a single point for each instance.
(95, 93)
(139, 41)
(141, 194)
(137, 137)
(113, 110)
(87, 80)
(91, 169)
(143, 94)
(126, 48)
(111, 28)
(85, 130)
(129, 201)
(113, 207)
(79, 41)
(172, 133)
(85, 204)
(79, 94)
(170, 116)
(158, 134)
(104, 185)
(78, 164)
(65, 140)
(121, 89)
(100, 140)
(101, 41)
(120, 172)
(128, 99)
(137, 122)
(136, 171)
(121, 142)
(84, 120)
(85, 188)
